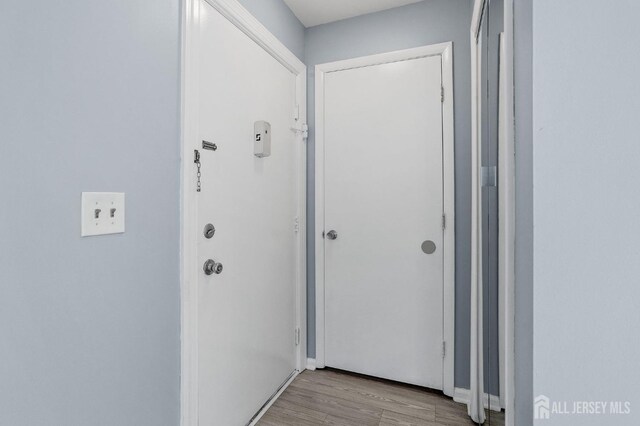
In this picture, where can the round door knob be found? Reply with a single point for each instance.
(332, 235)
(212, 267)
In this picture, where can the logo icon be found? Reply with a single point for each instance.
(541, 407)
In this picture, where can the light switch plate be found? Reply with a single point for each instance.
(102, 213)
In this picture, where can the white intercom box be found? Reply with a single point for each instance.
(262, 141)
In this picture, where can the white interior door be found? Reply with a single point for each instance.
(384, 199)
(246, 314)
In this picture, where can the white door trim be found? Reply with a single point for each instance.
(507, 218)
(506, 260)
(446, 51)
(189, 231)
(476, 367)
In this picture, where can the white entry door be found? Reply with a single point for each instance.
(384, 199)
(246, 314)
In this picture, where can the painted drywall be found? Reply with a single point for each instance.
(89, 101)
(585, 177)
(280, 21)
(523, 92)
(419, 24)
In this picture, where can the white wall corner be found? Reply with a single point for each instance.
(311, 364)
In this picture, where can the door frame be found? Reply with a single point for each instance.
(189, 230)
(446, 51)
(507, 217)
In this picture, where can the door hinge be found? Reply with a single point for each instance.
(442, 94)
(444, 349)
(303, 130)
(296, 225)
(297, 336)
(444, 222)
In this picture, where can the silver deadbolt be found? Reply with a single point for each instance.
(212, 267)
(332, 235)
(209, 145)
(209, 231)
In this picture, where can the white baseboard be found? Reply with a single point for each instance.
(311, 364)
(461, 395)
(272, 400)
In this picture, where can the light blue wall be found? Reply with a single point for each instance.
(585, 189)
(89, 101)
(419, 24)
(280, 20)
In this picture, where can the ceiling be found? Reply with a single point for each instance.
(316, 12)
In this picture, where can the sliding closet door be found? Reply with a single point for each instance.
(486, 402)
(489, 151)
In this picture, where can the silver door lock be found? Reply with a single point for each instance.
(212, 267)
(332, 235)
(209, 231)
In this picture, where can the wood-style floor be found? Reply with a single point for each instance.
(331, 397)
